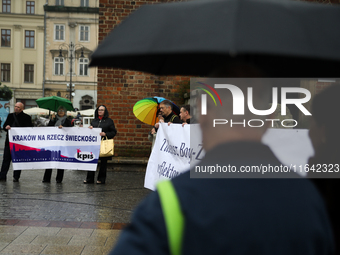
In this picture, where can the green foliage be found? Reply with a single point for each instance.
(5, 92)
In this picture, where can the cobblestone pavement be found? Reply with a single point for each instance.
(66, 218)
(71, 200)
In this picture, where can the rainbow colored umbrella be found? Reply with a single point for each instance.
(146, 109)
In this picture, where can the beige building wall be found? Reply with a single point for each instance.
(71, 18)
(17, 55)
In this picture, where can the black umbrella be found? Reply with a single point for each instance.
(285, 38)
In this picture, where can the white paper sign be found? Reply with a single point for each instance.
(171, 154)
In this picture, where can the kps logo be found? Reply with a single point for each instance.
(84, 155)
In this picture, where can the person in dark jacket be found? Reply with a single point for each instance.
(16, 119)
(233, 213)
(109, 131)
(165, 108)
(60, 121)
(185, 114)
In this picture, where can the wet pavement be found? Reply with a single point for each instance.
(66, 218)
(71, 200)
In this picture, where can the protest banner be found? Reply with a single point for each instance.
(172, 153)
(174, 150)
(52, 147)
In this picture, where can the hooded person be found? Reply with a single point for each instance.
(101, 120)
(60, 120)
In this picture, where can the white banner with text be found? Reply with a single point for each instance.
(74, 148)
(174, 150)
(172, 153)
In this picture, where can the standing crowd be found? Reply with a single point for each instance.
(290, 215)
(20, 119)
(101, 120)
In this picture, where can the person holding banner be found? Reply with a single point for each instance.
(60, 120)
(165, 107)
(16, 119)
(109, 131)
(152, 134)
(185, 114)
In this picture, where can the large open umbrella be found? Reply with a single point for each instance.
(52, 103)
(146, 109)
(282, 37)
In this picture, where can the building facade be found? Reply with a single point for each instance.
(21, 49)
(71, 36)
(39, 41)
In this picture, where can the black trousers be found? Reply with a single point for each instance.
(6, 162)
(102, 172)
(48, 173)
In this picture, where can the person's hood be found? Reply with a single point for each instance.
(106, 113)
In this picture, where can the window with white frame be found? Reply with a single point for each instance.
(84, 33)
(84, 3)
(59, 34)
(83, 66)
(58, 66)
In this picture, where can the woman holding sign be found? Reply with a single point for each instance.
(60, 120)
(109, 131)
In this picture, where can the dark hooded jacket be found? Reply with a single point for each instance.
(106, 124)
